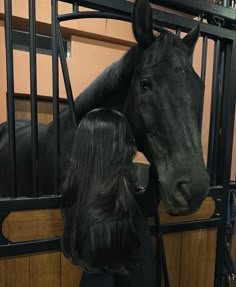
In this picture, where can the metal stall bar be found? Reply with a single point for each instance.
(214, 98)
(217, 166)
(199, 7)
(192, 7)
(89, 15)
(55, 81)
(29, 247)
(33, 98)
(203, 76)
(66, 78)
(226, 143)
(161, 256)
(160, 17)
(10, 97)
(204, 58)
(217, 135)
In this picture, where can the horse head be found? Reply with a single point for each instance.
(162, 108)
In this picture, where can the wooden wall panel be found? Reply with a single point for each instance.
(32, 225)
(15, 272)
(45, 270)
(198, 258)
(70, 274)
(173, 245)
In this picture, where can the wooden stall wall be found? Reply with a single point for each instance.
(94, 45)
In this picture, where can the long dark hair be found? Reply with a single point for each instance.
(99, 207)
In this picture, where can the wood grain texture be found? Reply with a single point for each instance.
(172, 244)
(70, 274)
(198, 258)
(45, 270)
(15, 272)
(31, 225)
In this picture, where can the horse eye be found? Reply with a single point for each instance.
(146, 85)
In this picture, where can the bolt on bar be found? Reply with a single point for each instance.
(33, 98)
(75, 6)
(10, 97)
(178, 32)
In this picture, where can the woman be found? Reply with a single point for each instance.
(104, 230)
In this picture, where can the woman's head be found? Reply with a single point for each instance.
(104, 143)
(98, 204)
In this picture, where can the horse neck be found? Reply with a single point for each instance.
(111, 87)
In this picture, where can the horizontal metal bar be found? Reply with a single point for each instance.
(160, 17)
(21, 203)
(199, 7)
(29, 203)
(16, 249)
(93, 14)
(186, 226)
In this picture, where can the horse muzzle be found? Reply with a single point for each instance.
(183, 191)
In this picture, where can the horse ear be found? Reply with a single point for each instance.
(142, 23)
(191, 38)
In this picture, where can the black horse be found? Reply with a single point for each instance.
(156, 87)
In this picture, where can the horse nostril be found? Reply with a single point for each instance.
(182, 186)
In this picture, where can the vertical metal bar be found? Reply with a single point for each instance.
(216, 149)
(55, 84)
(10, 97)
(217, 170)
(161, 250)
(33, 98)
(159, 253)
(203, 77)
(204, 58)
(228, 112)
(214, 97)
(66, 78)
